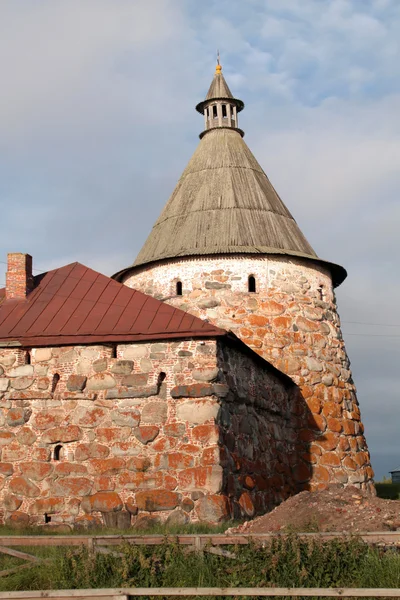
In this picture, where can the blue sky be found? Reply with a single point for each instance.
(97, 123)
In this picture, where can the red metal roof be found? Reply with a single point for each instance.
(76, 305)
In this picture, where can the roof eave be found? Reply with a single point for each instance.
(338, 272)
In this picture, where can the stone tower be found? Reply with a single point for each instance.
(225, 248)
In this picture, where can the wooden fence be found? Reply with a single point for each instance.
(126, 594)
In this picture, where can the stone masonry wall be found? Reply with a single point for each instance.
(90, 435)
(292, 321)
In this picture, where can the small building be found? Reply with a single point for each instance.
(395, 475)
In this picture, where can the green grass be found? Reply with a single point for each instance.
(283, 562)
(388, 490)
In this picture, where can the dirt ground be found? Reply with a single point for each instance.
(334, 509)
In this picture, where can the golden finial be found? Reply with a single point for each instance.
(218, 68)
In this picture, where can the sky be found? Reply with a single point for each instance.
(97, 123)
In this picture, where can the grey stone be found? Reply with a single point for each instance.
(157, 356)
(146, 365)
(136, 379)
(177, 517)
(22, 371)
(205, 374)
(1, 370)
(185, 353)
(129, 417)
(21, 383)
(42, 354)
(8, 360)
(100, 365)
(133, 352)
(197, 411)
(196, 495)
(91, 353)
(290, 288)
(313, 364)
(155, 412)
(327, 380)
(101, 381)
(4, 383)
(122, 367)
(208, 303)
(158, 347)
(215, 285)
(145, 392)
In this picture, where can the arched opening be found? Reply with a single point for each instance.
(232, 114)
(179, 288)
(214, 109)
(57, 452)
(56, 379)
(224, 113)
(252, 284)
(321, 292)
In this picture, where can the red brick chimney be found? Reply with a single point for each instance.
(19, 278)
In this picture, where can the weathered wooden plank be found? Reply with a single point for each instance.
(125, 594)
(29, 565)
(19, 554)
(199, 540)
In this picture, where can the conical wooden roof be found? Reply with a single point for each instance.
(224, 203)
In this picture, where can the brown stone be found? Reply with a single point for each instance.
(6, 469)
(306, 325)
(36, 470)
(314, 405)
(91, 450)
(317, 422)
(138, 463)
(89, 416)
(272, 308)
(126, 417)
(213, 509)
(18, 520)
(107, 435)
(122, 367)
(328, 441)
(349, 427)
(349, 463)
(66, 469)
(175, 429)
(69, 433)
(155, 500)
(103, 483)
(195, 390)
(11, 502)
(206, 434)
(106, 466)
(332, 409)
(6, 437)
(26, 436)
(22, 383)
(76, 383)
(330, 459)
(46, 419)
(23, 487)
(155, 412)
(102, 502)
(135, 380)
(72, 486)
(246, 505)
(44, 506)
(129, 480)
(187, 504)
(100, 381)
(18, 416)
(176, 460)
(146, 433)
(320, 474)
(206, 478)
(334, 424)
(210, 456)
(131, 507)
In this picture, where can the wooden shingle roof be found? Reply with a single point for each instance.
(224, 203)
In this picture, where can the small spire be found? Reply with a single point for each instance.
(218, 68)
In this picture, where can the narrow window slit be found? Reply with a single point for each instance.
(54, 383)
(252, 283)
(47, 518)
(28, 357)
(214, 109)
(114, 352)
(57, 452)
(179, 288)
(160, 379)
